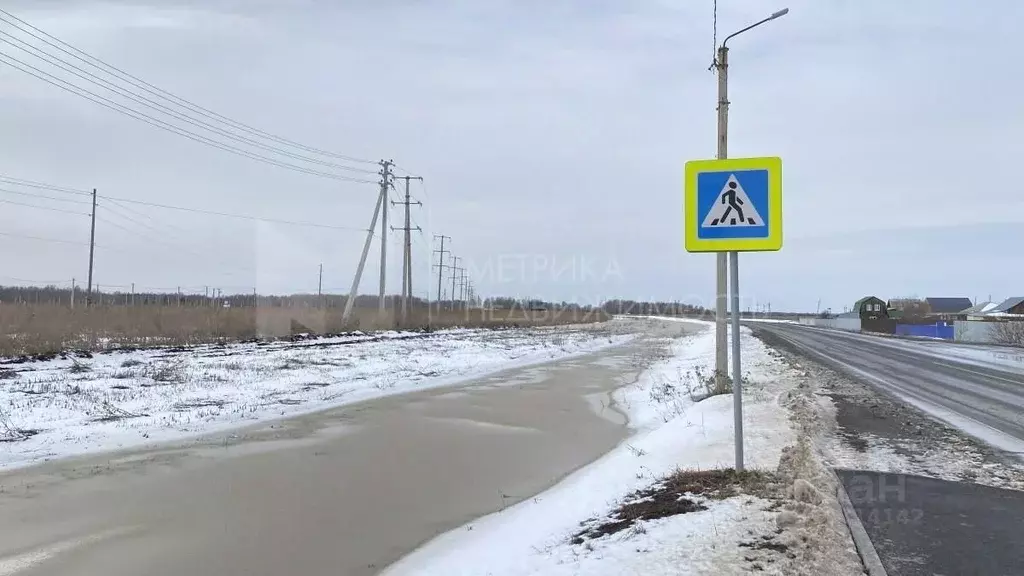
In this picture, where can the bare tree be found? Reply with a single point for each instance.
(1011, 333)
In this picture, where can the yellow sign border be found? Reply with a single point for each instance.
(772, 242)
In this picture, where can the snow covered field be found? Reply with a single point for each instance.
(671, 432)
(69, 406)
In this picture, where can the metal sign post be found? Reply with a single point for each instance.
(734, 206)
(737, 378)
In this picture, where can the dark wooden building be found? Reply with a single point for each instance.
(870, 307)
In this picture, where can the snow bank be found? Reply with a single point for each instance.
(71, 406)
(670, 432)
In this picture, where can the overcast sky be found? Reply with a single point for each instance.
(551, 135)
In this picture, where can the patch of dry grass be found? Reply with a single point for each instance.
(680, 493)
(53, 328)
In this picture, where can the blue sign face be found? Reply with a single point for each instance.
(733, 204)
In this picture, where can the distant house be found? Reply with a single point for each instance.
(978, 311)
(870, 307)
(1010, 306)
(947, 308)
(907, 308)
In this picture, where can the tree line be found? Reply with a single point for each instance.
(54, 295)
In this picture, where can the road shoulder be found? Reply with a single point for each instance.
(931, 498)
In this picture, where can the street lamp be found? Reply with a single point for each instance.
(721, 64)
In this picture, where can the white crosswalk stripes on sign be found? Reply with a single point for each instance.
(732, 208)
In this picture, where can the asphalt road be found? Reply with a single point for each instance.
(984, 401)
(925, 526)
(343, 492)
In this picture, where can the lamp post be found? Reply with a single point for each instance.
(721, 64)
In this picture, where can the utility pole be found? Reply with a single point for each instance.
(320, 284)
(385, 181)
(92, 249)
(407, 252)
(455, 269)
(381, 304)
(462, 284)
(723, 276)
(440, 265)
(133, 294)
(72, 293)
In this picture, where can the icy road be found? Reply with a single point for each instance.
(977, 389)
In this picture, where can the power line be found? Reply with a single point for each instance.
(40, 282)
(119, 201)
(41, 239)
(152, 104)
(43, 207)
(239, 216)
(42, 185)
(60, 241)
(156, 91)
(131, 210)
(110, 207)
(135, 114)
(177, 249)
(30, 195)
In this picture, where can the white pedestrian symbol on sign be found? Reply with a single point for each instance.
(732, 207)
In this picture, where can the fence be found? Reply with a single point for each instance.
(937, 330)
(849, 324)
(879, 325)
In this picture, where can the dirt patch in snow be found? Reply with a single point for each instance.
(682, 492)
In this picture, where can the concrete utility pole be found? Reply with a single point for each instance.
(133, 294)
(320, 282)
(72, 293)
(381, 304)
(721, 64)
(440, 266)
(455, 272)
(385, 181)
(92, 249)
(462, 284)
(721, 279)
(407, 255)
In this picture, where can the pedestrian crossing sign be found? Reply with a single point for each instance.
(733, 205)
